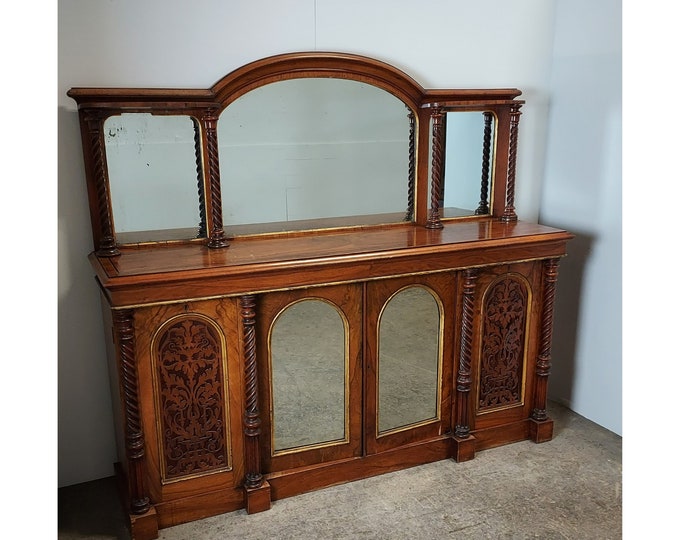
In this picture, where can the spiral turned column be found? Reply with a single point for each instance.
(94, 120)
(202, 225)
(483, 207)
(509, 212)
(217, 237)
(251, 420)
(434, 217)
(464, 380)
(411, 166)
(134, 437)
(543, 364)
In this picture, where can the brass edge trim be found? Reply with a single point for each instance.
(327, 283)
(225, 396)
(323, 444)
(440, 355)
(407, 427)
(296, 232)
(527, 327)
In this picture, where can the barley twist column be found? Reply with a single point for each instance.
(463, 382)
(134, 437)
(411, 166)
(543, 360)
(217, 238)
(483, 207)
(202, 226)
(106, 246)
(251, 421)
(434, 218)
(509, 212)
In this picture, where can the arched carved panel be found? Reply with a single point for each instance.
(190, 378)
(503, 343)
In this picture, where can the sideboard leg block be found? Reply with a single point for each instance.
(258, 499)
(541, 430)
(144, 526)
(463, 449)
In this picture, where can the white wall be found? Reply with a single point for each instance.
(582, 193)
(488, 43)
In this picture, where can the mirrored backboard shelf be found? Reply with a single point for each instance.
(297, 142)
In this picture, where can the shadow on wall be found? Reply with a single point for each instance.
(86, 444)
(566, 317)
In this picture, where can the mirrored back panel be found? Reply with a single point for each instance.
(468, 163)
(155, 178)
(314, 153)
(295, 142)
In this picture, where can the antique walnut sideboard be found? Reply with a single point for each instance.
(334, 306)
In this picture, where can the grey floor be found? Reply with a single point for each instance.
(568, 488)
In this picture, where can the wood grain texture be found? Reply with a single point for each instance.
(192, 323)
(173, 272)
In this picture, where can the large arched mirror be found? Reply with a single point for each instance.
(314, 153)
(409, 359)
(309, 371)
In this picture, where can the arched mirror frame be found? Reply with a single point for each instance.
(436, 417)
(381, 291)
(346, 300)
(97, 104)
(272, 391)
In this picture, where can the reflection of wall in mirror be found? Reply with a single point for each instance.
(313, 148)
(152, 172)
(464, 149)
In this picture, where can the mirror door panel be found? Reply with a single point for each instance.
(409, 343)
(309, 344)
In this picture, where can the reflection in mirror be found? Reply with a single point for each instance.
(308, 365)
(152, 167)
(467, 163)
(408, 359)
(333, 151)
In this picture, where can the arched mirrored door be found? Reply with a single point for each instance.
(408, 386)
(309, 369)
(309, 349)
(409, 357)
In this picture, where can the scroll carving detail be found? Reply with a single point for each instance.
(502, 356)
(191, 387)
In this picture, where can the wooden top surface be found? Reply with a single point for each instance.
(357, 244)
(144, 275)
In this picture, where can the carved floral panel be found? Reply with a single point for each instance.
(191, 390)
(502, 352)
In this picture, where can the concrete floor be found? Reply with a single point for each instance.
(568, 488)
